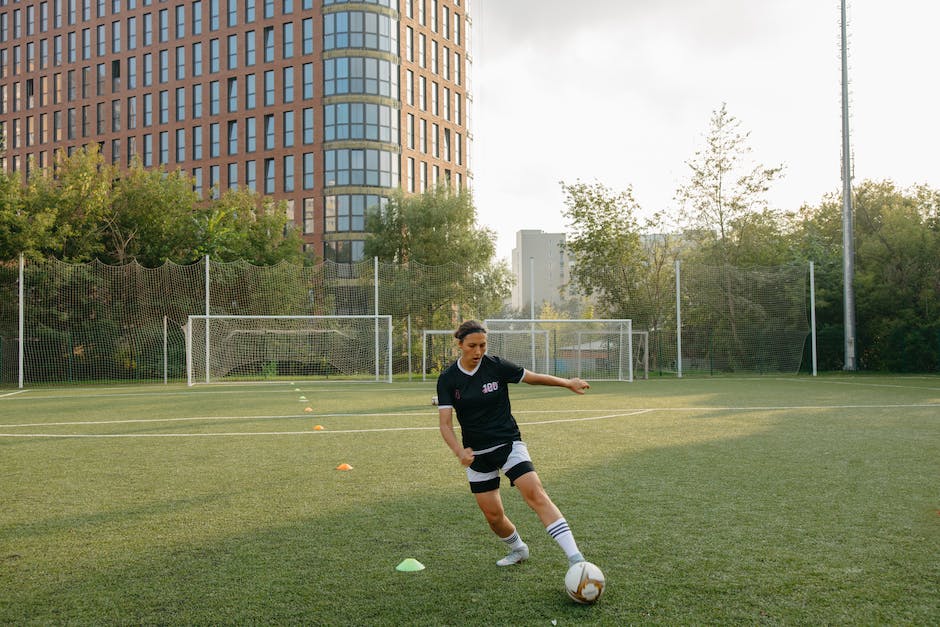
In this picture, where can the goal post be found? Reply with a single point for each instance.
(594, 349)
(525, 348)
(264, 348)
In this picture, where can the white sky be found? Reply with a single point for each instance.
(621, 92)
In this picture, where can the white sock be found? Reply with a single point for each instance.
(514, 541)
(563, 536)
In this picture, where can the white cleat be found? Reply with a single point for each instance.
(514, 557)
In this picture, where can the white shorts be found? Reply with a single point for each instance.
(512, 459)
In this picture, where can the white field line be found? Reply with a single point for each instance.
(9, 394)
(620, 413)
(226, 392)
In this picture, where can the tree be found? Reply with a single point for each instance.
(151, 217)
(75, 199)
(439, 228)
(626, 266)
(724, 202)
(241, 224)
(897, 275)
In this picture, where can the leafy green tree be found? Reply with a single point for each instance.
(241, 224)
(724, 205)
(626, 266)
(151, 218)
(897, 275)
(21, 231)
(76, 198)
(439, 228)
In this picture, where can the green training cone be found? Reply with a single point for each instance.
(410, 565)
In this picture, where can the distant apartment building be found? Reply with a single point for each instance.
(541, 269)
(326, 104)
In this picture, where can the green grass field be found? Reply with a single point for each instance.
(723, 501)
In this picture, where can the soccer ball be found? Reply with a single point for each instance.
(584, 582)
(434, 400)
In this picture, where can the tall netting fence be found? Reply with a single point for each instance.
(96, 323)
(742, 320)
(9, 322)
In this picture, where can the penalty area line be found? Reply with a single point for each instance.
(8, 394)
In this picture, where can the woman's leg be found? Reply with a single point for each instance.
(530, 486)
(492, 507)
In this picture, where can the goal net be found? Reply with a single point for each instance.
(525, 348)
(597, 349)
(258, 348)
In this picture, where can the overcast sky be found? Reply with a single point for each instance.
(621, 92)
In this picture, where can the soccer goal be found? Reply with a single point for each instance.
(525, 348)
(260, 348)
(595, 349)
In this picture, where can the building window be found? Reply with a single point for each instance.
(232, 44)
(232, 90)
(233, 175)
(251, 134)
(360, 167)
(269, 132)
(269, 176)
(215, 140)
(180, 63)
(250, 91)
(360, 121)
(232, 132)
(288, 84)
(308, 125)
(309, 215)
(287, 40)
(180, 104)
(251, 175)
(288, 173)
(308, 170)
(358, 75)
(180, 145)
(348, 212)
(288, 126)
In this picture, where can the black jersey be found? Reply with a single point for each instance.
(481, 401)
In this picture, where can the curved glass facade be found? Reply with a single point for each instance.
(361, 76)
(360, 29)
(361, 68)
(358, 166)
(360, 120)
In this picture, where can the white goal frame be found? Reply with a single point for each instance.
(383, 323)
(538, 367)
(625, 336)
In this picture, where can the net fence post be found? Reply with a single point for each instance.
(21, 349)
(207, 318)
(812, 310)
(375, 282)
(164, 352)
(678, 323)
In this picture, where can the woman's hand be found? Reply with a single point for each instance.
(466, 456)
(577, 385)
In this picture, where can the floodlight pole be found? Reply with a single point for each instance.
(848, 245)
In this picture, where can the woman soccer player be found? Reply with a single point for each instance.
(476, 387)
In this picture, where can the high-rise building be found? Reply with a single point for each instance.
(541, 268)
(327, 104)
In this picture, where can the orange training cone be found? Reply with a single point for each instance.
(318, 427)
(344, 466)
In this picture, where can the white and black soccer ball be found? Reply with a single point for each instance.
(434, 400)
(584, 582)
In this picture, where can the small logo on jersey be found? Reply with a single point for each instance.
(490, 387)
(457, 395)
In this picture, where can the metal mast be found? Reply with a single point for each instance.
(848, 242)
